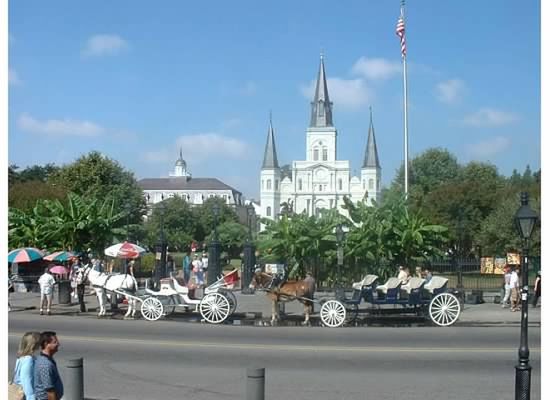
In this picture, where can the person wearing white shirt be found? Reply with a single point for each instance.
(46, 282)
(514, 289)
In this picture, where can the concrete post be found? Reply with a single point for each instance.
(74, 380)
(255, 383)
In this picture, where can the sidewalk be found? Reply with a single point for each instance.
(259, 306)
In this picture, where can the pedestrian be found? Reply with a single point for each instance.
(47, 381)
(46, 282)
(418, 272)
(130, 269)
(514, 290)
(23, 374)
(204, 261)
(507, 287)
(537, 290)
(198, 271)
(186, 268)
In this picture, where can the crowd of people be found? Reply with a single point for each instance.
(35, 376)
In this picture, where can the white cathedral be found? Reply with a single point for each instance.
(321, 181)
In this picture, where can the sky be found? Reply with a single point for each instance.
(137, 80)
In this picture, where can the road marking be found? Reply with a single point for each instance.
(294, 348)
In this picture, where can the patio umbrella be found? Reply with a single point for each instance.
(124, 250)
(59, 270)
(60, 256)
(25, 254)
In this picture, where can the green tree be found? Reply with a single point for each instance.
(25, 194)
(97, 176)
(204, 217)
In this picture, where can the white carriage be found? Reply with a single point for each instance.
(215, 306)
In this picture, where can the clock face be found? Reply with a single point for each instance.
(321, 173)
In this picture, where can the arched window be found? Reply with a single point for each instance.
(371, 184)
(325, 154)
(340, 184)
(299, 184)
(321, 107)
(268, 211)
(315, 154)
(276, 184)
(269, 184)
(320, 188)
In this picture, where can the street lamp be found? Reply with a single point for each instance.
(460, 253)
(339, 291)
(525, 220)
(249, 258)
(160, 266)
(214, 250)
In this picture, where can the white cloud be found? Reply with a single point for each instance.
(101, 45)
(490, 117)
(65, 127)
(376, 68)
(450, 91)
(350, 94)
(13, 77)
(198, 148)
(488, 148)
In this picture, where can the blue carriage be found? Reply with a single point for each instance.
(431, 299)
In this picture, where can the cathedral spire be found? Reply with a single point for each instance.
(321, 107)
(371, 152)
(270, 153)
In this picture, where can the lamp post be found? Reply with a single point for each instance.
(127, 210)
(338, 290)
(214, 249)
(160, 256)
(249, 257)
(459, 254)
(525, 220)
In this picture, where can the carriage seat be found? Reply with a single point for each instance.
(180, 281)
(437, 282)
(179, 285)
(413, 283)
(391, 283)
(368, 280)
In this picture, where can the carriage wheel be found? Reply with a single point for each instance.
(444, 309)
(169, 303)
(232, 300)
(333, 313)
(214, 308)
(151, 309)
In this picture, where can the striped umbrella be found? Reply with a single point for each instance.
(62, 255)
(25, 254)
(124, 250)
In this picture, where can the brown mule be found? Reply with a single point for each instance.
(301, 290)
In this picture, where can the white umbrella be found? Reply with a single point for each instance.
(124, 250)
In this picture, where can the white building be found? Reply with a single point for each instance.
(194, 190)
(321, 181)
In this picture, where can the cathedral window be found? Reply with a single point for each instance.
(320, 188)
(315, 154)
(371, 184)
(268, 211)
(340, 184)
(325, 154)
(321, 108)
(269, 184)
(276, 184)
(299, 184)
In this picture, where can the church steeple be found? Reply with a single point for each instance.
(321, 106)
(270, 153)
(371, 152)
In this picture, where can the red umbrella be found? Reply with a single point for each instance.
(59, 270)
(124, 250)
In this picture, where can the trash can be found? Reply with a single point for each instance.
(64, 292)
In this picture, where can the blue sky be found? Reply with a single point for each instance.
(138, 79)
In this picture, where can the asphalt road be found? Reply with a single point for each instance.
(177, 360)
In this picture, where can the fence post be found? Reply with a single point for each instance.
(255, 383)
(74, 381)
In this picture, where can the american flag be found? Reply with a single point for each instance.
(400, 31)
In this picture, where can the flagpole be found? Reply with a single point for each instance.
(405, 116)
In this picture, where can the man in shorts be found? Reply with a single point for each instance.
(46, 282)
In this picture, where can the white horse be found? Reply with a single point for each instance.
(102, 282)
